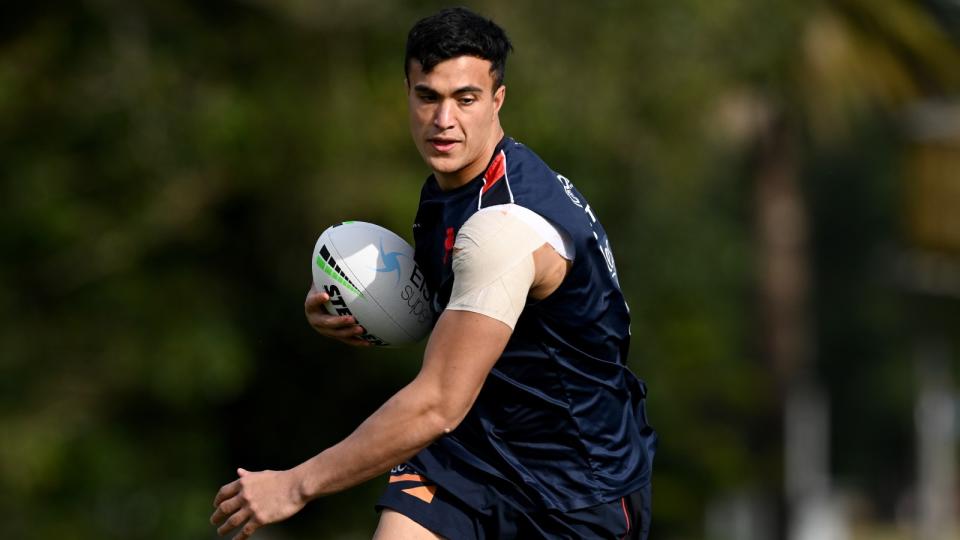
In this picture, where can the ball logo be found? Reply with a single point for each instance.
(370, 273)
(418, 296)
(415, 293)
(390, 261)
(340, 307)
(326, 262)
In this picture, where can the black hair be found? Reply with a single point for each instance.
(454, 32)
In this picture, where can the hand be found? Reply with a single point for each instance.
(343, 328)
(254, 500)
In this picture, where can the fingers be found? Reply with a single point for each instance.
(318, 316)
(231, 514)
(357, 342)
(234, 521)
(335, 326)
(345, 332)
(350, 336)
(323, 322)
(343, 328)
(315, 300)
(247, 530)
(227, 492)
(226, 509)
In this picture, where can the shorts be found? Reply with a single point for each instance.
(416, 497)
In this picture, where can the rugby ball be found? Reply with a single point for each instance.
(369, 272)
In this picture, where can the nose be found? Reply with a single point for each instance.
(443, 117)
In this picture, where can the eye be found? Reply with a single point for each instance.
(427, 98)
(468, 100)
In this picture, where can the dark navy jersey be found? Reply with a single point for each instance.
(560, 420)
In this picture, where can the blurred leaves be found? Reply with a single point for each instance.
(167, 167)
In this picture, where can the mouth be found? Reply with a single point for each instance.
(442, 145)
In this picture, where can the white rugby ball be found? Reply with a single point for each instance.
(369, 272)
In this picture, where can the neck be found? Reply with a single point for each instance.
(453, 180)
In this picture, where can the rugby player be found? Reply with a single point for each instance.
(524, 421)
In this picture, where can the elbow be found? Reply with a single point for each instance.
(442, 418)
(441, 413)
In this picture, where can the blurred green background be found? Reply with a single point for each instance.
(780, 181)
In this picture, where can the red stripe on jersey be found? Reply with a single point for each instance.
(448, 244)
(494, 173)
(626, 515)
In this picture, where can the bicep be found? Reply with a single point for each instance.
(463, 348)
(493, 265)
(498, 261)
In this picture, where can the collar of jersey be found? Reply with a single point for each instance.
(434, 187)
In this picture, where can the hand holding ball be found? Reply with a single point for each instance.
(369, 273)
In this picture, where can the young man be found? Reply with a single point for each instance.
(524, 421)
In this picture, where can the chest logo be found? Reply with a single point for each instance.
(448, 244)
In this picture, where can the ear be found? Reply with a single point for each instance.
(498, 98)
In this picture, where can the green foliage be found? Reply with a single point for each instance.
(167, 167)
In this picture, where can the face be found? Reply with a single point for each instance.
(454, 117)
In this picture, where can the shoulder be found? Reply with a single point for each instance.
(494, 224)
(495, 236)
(515, 175)
(520, 159)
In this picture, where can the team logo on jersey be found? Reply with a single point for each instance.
(608, 257)
(568, 188)
(448, 242)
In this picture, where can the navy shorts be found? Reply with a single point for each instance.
(416, 497)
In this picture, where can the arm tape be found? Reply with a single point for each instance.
(493, 266)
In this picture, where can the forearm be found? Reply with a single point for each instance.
(435, 402)
(405, 424)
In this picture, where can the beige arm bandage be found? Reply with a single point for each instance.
(493, 265)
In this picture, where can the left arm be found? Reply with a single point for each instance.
(493, 280)
(434, 403)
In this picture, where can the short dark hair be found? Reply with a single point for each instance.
(454, 32)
